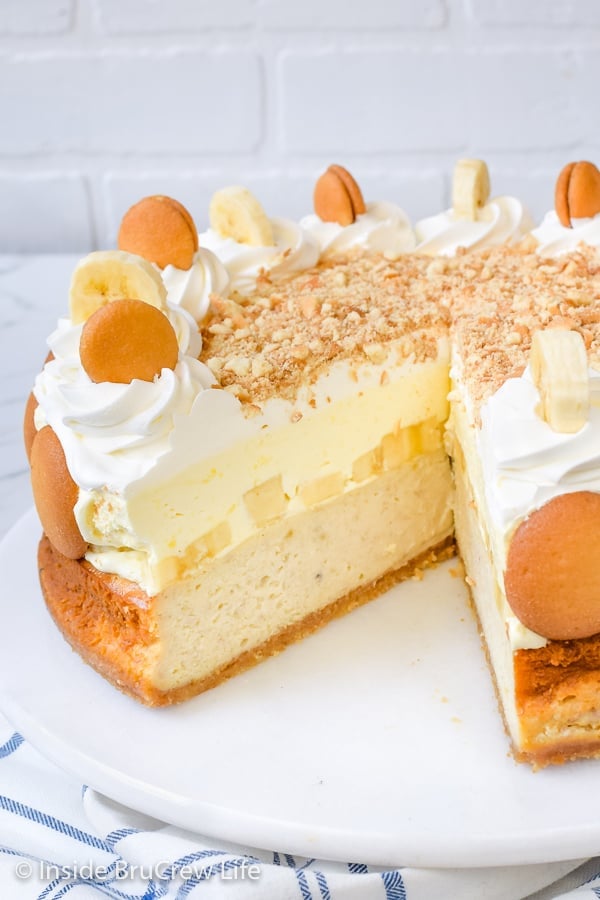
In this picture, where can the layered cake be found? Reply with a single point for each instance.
(238, 438)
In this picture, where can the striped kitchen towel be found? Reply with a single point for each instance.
(60, 839)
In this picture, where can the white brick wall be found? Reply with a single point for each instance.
(49, 212)
(376, 15)
(103, 101)
(133, 17)
(537, 12)
(29, 17)
(149, 102)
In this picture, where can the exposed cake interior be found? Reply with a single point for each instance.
(328, 422)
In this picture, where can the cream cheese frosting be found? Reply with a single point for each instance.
(555, 239)
(383, 228)
(191, 288)
(525, 462)
(503, 220)
(294, 250)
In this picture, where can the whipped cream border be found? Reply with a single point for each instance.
(113, 433)
(191, 289)
(503, 220)
(382, 228)
(555, 239)
(294, 250)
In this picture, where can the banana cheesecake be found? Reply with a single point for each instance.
(240, 436)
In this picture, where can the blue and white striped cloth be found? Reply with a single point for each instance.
(60, 839)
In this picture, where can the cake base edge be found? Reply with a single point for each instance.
(65, 583)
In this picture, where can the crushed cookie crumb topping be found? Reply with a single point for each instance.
(493, 319)
(286, 334)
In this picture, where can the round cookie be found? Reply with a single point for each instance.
(161, 230)
(577, 193)
(55, 494)
(127, 339)
(552, 574)
(332, 201)
(337, 197)
(354, 192)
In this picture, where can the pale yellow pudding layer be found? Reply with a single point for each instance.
(159, 534)
(297, 566)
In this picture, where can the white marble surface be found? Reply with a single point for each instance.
(33, 294)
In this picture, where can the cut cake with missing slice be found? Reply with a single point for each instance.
(214, 514)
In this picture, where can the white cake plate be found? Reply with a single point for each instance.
(377, 740)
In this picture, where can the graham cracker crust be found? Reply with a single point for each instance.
(110, 622)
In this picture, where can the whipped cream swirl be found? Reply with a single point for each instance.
(294, 250)
(504, 220)
(191, 288)
(554, 239)
(113, 434)
(383, 228)
(525, 462)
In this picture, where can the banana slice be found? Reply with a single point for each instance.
(236, 213)
(470, 188)
(559, 368)
(108, 275)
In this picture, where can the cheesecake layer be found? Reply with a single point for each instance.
(288, 579)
